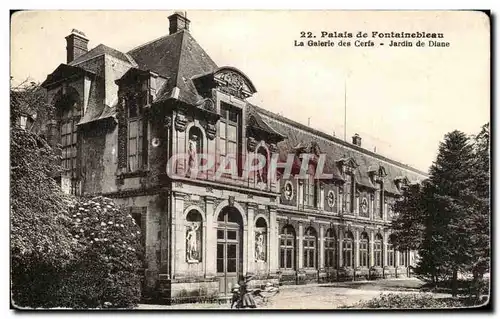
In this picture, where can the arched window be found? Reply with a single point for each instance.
(310, 240)
(330, 249)
(287, 247)
(363, 250)
(390, 252)
(377, 250)
(194, 232)
(260, 239)
(347, 249)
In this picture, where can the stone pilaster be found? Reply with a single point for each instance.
(178, 246)
(300, 194)
(340, 250)
(300, 245)
(210, 231)
(321, 259)
(356, 249)
(371, 252)
(250, 239)
(273, 242)
(372, 206)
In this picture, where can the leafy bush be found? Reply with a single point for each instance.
(102, 272)
(109, 257)
(65, 251)
(412, 301)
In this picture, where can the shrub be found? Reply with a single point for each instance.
(105, 274)
(102, 270)
(412, 301)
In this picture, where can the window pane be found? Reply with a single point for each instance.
(288, 258)
(231, 251)
(231, 265)
(222, 147)
(220, 234)
(231, 234)
(282, 258)
(132, 129)
(222, 130)
(231, 133)
(132, 147)
(233, 115)
(220, 251)
(133, 163)
(231, 148)
(220, 265)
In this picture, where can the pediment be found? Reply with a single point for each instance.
(234, 82)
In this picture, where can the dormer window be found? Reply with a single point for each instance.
(401, 182)
(137, 139)
(310, 192)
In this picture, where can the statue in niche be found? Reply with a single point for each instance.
(193, 155)
(260, 254)
(192, 242)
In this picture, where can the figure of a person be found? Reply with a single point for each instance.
(192, 243)
(193, 156)
(259, 247)
(246, 298)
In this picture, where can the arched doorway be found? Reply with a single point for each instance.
(229, 248)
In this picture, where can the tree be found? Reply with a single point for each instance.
(408, 226)
(65, 251)
(447, 246)
(39, 238)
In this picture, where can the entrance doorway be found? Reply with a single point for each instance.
(229, 248)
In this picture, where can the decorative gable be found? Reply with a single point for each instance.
(347, 165)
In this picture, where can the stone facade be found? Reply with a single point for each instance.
(203, 230)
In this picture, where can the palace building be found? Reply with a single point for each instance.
(121, 116)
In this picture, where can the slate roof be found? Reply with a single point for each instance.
(177, 57)
(336, 149)
(102, 49)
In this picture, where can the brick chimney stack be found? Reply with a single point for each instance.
(76, 45)
(178, 21)
(356, 140)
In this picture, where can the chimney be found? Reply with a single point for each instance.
(178, 21)
(356, 140)
(76, 45)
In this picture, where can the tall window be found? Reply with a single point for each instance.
(136, 136)
(230, 133)
(310, 192)
(390, 255)
(347, 249)
(403, 258)
(330, 249)
(377, 250)
(69, 142)
(381, 202)
(287, 248)
(70, 113)
(348, 195)
(310, 248)
(363, 250)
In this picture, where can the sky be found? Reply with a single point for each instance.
(401, 101)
